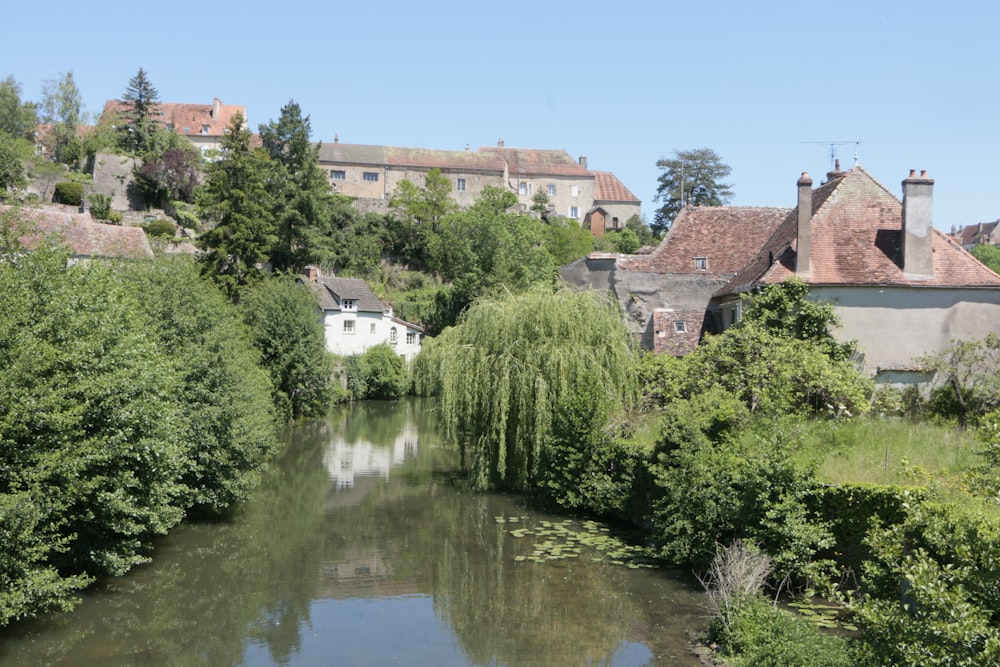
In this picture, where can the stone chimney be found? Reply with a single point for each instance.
(216, 104)
(499, 143)
(836, 173)
(917, 242)
(583, 161)
(311, 273)
(804, 210)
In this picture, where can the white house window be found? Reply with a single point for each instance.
(574, 212)
(552, 189)
(204, 129)
(349, 327)
(460, 185)
(371, 176)
(680, 326)
(411, 338)
(701, 263)
(349, 304)
(574, 191)
(337, 174)
(522, 188)
(392, 336)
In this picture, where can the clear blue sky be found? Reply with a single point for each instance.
(623, 83)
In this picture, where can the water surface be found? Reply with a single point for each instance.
(359, 550)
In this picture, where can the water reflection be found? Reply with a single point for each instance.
(358, 551)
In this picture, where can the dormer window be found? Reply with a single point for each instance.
(349, 304)
(701, 263)
(205, 129)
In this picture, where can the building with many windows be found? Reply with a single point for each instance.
(371, 174)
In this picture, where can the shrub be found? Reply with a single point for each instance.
(160, 228)
(762, 635)
(100, 206)
(69, 193)
(379, 373)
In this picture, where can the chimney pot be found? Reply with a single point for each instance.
(923, 173)
(913, 172)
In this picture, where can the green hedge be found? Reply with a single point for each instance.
(69, 193)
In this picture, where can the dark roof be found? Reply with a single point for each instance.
(856, 235)
(333, 291)
(727, 236)
(607, 188)
(85, 237)
(971, 235)
(353, 154)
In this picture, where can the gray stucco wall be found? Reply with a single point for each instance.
(895, 326)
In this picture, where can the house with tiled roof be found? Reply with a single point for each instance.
(901, 288)
(354, 319)
(203, 124)
(86, 238)
(983, 233)
(370, 174)
(613, 205)
(667, 294)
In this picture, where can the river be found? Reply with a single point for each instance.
(359, 549)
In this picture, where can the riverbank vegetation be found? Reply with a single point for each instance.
(765, 437)
(132, 395)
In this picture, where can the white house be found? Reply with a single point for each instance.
(355, 320)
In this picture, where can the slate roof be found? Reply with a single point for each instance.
(353, 154)
(84, 236)
(727, 236)
(188, 119)
(333, 291)
(607, 188)
(855, 240)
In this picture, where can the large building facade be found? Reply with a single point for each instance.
(370, 174)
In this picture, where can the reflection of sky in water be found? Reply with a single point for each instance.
(346, 460)
(406, 630)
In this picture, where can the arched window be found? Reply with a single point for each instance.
(392, 336)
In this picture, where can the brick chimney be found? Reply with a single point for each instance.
(805, 212)
(836, 173)
(311, 273)
(917, 235)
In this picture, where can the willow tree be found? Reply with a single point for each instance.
(510, 364)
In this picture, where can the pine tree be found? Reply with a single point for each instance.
(140, 128)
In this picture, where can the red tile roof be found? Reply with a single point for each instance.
(84, 236)
(855, 239)
(538, 162)
(607, 188)
(726, 236)
(188, 119)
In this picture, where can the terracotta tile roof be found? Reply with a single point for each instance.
(607, 188)
(971, 235)
(332, 292)
(84, 236)
(726, 236)
(855, 240)
(538, 162)
(189, 119)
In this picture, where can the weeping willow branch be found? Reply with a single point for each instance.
(502, 371)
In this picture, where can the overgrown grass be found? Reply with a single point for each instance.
(881, 450)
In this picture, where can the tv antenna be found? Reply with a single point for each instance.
(833, 148)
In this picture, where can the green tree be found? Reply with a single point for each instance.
(966, 378)
(625, 241)
(170, 176)
(641, 230)
(286, 329)
(237, 201)
(139, 130)
(418, 212)
(305, 201)
(228, 431)
(987, 254)
(17, 118)
(62, 108)
(12, 172)
(693, 176)
(567, 240)
(511, 361)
